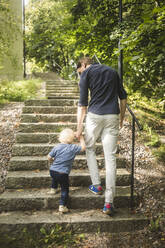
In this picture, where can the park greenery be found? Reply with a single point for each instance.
(60, 31)
(19, 90)
(9, 32)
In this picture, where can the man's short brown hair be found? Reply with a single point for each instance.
(85, 60)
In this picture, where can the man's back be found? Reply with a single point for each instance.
(105, 88)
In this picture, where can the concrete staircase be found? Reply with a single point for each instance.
(26, 201)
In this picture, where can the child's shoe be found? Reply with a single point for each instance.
(96, 190)
(63, 209)
(53, 191)
(108, 209)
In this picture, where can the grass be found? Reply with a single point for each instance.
(150, 113)
(43, 238)
(19, 91)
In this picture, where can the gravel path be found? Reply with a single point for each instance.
(149, 184)
(9, 122)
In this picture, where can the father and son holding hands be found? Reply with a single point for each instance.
(104, 114)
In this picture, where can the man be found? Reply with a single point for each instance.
(102, 120)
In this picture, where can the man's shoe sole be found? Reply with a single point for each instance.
(96, 193)
(110, 213)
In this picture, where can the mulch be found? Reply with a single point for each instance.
(149, 185)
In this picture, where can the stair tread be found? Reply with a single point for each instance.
(48, 114)
(44, 193)
(28, 158)
(47, 123)
(41, 144)
(53, 216)
(25, 187)
(48, 106)
(74, 172)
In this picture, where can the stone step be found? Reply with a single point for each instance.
(34, 118)
(41, 199)
(55, 102)
(49, 109)
(77, 221)
(41, 149)
(41, 162)
(52, 97)
(46, 127)
(62, 83)
(36, 138)
(58, 84)
(62, 89)
(42, 179)
(63, 94)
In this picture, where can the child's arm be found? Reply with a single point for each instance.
(82, 143)
(50, 158)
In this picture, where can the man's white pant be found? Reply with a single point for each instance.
(106, 126)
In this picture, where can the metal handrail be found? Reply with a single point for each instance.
(134, 120)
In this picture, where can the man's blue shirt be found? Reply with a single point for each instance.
(64, 155)
(105, 89)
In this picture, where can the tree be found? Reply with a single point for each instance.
(8, 29)
(144, 49)
(61, 30)
(48, 35)
(97, 30)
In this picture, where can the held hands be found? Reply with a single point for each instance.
(78, 133)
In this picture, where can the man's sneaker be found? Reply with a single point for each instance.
(53, 191)
(108, 209)
(96, 190)
(63, 209)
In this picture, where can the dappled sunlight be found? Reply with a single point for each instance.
(149, 173)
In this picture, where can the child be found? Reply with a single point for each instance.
(63, 156)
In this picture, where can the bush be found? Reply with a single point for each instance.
(19, 90)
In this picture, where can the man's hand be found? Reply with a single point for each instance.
(81, 112)
(78, 134)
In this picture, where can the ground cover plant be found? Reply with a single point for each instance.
(18, 91)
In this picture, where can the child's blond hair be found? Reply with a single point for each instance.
(66, 136)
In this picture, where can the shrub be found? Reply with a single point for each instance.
(19, 90)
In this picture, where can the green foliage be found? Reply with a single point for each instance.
(155, 223)
(58, 31)
(55, 237)
(48, 37)
(19, 90)
(160, 153)
(150, 114)
(43, 238)
(8, 30)
(144, 49)
(154, 140)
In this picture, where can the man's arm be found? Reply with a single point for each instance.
(123, 103)
(82, 143)
(81, 112)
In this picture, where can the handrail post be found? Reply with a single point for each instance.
(132, 163)
(120, 58)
